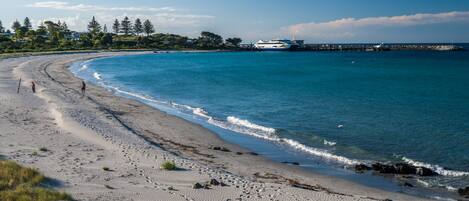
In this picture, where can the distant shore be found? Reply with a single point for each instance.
(104, 147)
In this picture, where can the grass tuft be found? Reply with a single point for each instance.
(22, 184)
(168, 165)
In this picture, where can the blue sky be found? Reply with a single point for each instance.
(312, 20)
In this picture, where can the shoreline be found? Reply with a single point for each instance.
(171, 137)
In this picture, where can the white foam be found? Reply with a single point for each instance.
(201, 112)
(97, 76)
(248, 124)
(84, 67)
(340, 126)
(329, 143)
(438, 169)
(321, 153)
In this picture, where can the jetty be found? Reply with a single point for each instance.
(370, 47)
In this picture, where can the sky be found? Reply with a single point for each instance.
(316, 21)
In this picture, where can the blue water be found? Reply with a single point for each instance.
(322, 107)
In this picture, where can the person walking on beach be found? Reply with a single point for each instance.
(83, 88)
(33, 86)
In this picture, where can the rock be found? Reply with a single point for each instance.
(216, 148)
(291, 163)
(404, 168)
(362, 167)
(424, 172)
(384, 169)
(464, 192)
(253, 153)
(239, 153)
(197, 186)
(225, 149)
(214, 182)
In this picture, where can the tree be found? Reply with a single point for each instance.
(105, 29)
(116, 26)
(94, 27)
(27, 24)
(138, 28)
(2, 29)
(126, 26)
(16, 25)
(209, 40)
(41, 30)
(234, 41)
(148, 27)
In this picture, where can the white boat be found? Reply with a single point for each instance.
(272, 45)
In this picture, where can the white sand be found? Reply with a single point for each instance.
(83, 135)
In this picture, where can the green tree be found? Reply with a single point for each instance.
(116, 26)
(2, 29)
(138, 27)
(234, 41)
(27, 24)
(41, 30)
(209, 40)
(126, 26)
(94, 27)
(148, 27)
(105, 29)
(16, 25)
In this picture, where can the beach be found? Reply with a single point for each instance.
(85, 134)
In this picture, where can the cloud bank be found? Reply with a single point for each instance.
(349, 27)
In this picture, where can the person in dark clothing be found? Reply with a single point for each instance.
(83, 88)
(33, 86)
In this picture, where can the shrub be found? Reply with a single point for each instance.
(168, 165)
(22, 184)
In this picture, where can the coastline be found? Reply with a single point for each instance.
(118, 125)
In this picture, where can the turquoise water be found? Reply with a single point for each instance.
(338, 108)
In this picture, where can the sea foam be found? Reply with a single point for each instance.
(438, 169)
(97, 76)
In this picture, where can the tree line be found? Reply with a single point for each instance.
(125, 34)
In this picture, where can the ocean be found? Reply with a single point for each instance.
(322, 109)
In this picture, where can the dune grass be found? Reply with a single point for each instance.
(23, 184)
(168, 165)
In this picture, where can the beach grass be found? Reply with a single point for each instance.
(18, 183)
(168, 165)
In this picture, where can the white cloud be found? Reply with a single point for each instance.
(60, 5)
(347, 27)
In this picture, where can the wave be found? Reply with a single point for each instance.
(329, 143)
(248, 124)
(438, 169)
(84, 67)
(237, 125)
(97, 76)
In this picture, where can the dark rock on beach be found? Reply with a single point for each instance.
(214, 182)
(362, 168)
(197, 186)
(402, 169)
(464, 192)
(423, 171)
(291, 163)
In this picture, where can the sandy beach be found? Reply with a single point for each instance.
(83, 135)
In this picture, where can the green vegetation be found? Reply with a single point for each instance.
(168, 165)
(22, 184)
(55, 36)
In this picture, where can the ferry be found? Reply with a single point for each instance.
(273, 45)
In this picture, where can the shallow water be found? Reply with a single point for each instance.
(337, 108)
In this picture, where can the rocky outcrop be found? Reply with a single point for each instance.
(464, 192)
(398, 168)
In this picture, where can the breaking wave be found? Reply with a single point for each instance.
(97, 76)
(438, 169)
